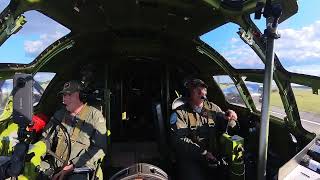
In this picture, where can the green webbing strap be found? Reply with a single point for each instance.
(212, 129)
(83, 115)
(192, 121)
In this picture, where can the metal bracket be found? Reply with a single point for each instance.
(259, 8)
(9, 25)
(271, 32)
(246, 36)
(13, 26)
(272, 11)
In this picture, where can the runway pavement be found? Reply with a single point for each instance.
(310, 121)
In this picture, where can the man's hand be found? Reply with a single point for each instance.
(231, 115)
(66, 170)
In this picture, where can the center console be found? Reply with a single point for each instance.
(305, 165)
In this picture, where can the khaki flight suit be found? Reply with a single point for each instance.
(192, 134)
(88, 136)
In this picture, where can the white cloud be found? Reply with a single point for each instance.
(299, 45)
(305, 69)
(234, 40)
(294, 49)
(34, 48)
(47, 33)
(240, 55)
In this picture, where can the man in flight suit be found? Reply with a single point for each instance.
(194, 131)
(87, 129)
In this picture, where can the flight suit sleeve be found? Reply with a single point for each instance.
(180, 138)
(222, 123)
(217, 110)
(98, 143)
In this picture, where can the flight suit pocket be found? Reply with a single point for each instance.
(84, 139)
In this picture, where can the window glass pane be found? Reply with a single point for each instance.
(276, 105)
(4, 4)
(37, 34)
(229, 90)
(5, 91)
(42, 80)
(298, 48)
(227, 42)
(260, 23)
(308, 105)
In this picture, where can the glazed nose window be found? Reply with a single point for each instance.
(41, 82)
(229, 90)
(6, 87)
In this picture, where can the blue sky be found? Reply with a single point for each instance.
(298, 48)
(37, 34)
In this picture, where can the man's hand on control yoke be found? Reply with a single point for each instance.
(231, 115)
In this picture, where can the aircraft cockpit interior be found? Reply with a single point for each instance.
(136, 63)
(136, 95)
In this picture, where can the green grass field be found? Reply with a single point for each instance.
(307, 102)
(222, 86)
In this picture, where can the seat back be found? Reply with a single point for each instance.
(160, 128)
(178, 102)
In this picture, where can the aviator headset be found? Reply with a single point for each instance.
(193, 83)
(79, 86)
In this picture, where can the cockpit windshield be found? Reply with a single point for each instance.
(298, 48)
(36, 35)
(227, 42)
(4, 4)
(41, 82)
(5, 91)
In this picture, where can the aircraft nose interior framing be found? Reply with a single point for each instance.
(139, 97)
(155, 86)
(138, 94)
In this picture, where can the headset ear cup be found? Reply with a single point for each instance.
(82, 93)
(187, 92)
(82, 96)
(186, 89)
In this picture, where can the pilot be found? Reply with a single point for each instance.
(87, 129)
(195, 126)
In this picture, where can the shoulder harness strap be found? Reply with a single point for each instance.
(61, 149)
(84, 114)
(210, 114)
(192, 121)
